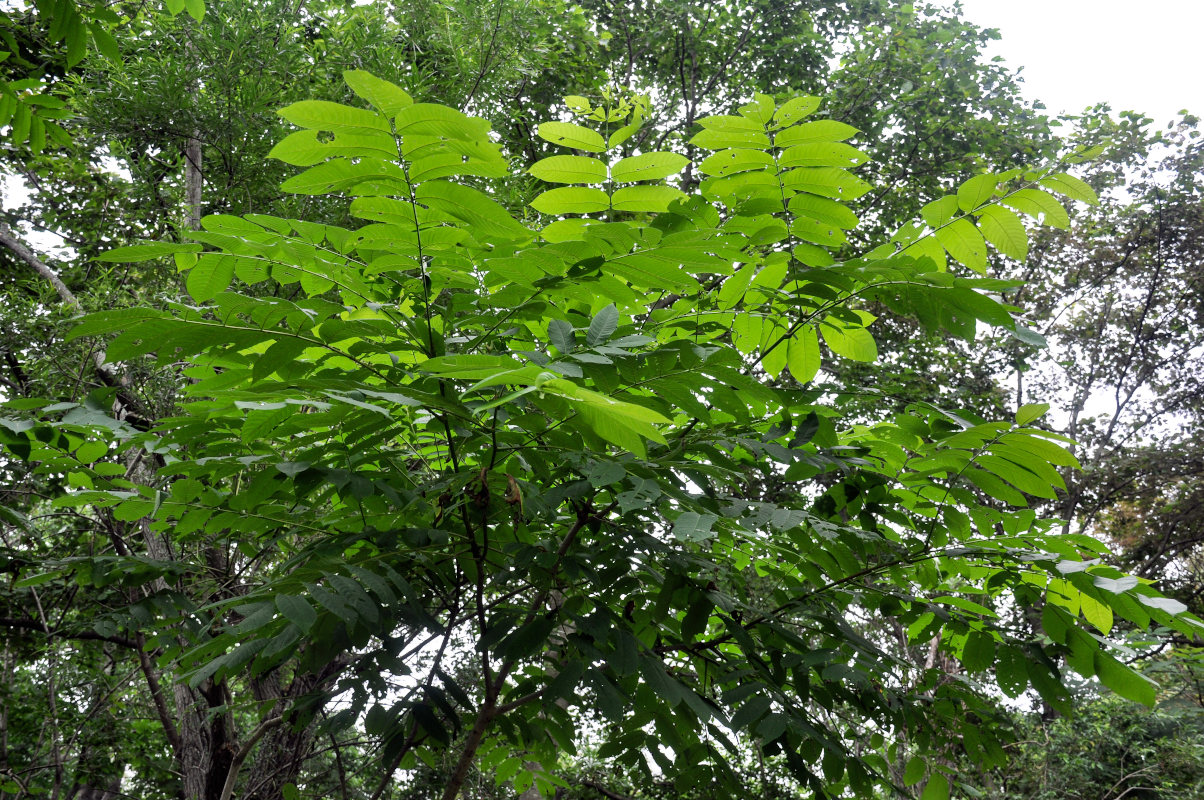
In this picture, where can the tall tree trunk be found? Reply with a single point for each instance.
(193, 182)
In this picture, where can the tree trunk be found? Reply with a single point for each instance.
(193, 182)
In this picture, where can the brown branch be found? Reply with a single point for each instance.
(68, 297)
(156, 690)
(471, 745)
(602, 790)
(244, 751)
(90, 636)
(25, 254)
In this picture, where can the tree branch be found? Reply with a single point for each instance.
(89, 636)
(25, 254)
(244, 751)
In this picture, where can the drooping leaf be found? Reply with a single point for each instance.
(964, 243)
(1005, 231)
(1124, 680)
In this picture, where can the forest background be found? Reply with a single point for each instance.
(128, 123)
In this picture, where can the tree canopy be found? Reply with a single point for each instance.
(434, 440)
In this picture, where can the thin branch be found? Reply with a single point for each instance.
(25, 254)
(90, 636)
(156, 690)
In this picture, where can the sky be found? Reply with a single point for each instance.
(1140, 56)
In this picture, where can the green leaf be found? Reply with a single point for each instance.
(856, 344)
(326, 116)
(105, 42)
(474, 208)
(937, 788)
(388, 98)
(1071, 187)
(980, 305)
(439, 121)
(976, 191)
(941, 211)
(965, 244)
(37, 579)
(732, 162)
(603, 326)
(827, 181)
(297, 610)
(653, 269)
(1031, 413)
(472, 367)
(1005, 231)
(571, 200)
(307, 147)
(568, 134)
(146, 251)
(1096, 613)
(341, 174)
(1011, 671)
(569, 169)
(979, 652)
(90, 451)
(795, 109)
(1124, 680)
(112, 321)
(209, 277)
(709, 139)
(732, 124)
(915, 771)
(1028, 336)
(822, 130)
(1040, 205)
(753, 709)
(624, 133)
(691, 526)
(562, 336)
(809, 230)
(823, 210)
(195, 8)
(1018, 476)
(802, 354)
(646, 198)
(648, 166)
(822, 154)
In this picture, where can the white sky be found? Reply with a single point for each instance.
(1139, 56)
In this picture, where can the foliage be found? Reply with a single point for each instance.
(446, 431)
(43, 40)
(140, 142)
(1123, 319)
(1111, 750)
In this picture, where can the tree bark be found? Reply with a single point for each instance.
(193, 182)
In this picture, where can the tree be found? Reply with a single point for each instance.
(1123, 321)
(449, 434)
